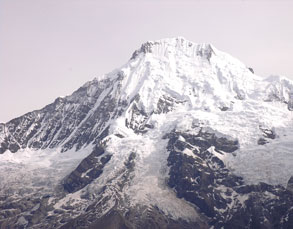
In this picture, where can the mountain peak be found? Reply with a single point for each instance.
(179, 137)
(173, 45)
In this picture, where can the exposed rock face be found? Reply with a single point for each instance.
(75, 120)
(267, 135)
(137, 117)
(251, 69)
(150, 218)
(290, 184)
(290, 102)
(200, 177)
(88, 170)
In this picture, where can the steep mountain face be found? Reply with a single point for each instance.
(181, 136)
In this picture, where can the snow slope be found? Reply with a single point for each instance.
(36, 172)
(202, 80)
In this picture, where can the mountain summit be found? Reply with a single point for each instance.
(181, 136)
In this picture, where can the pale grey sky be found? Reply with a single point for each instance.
(49, 48)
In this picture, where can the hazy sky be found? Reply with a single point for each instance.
(49, 48)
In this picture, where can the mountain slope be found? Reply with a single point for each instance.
(180, 126)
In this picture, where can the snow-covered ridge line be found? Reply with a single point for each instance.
(159, 47)
(171, 72)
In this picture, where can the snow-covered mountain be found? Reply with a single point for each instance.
(182, 136)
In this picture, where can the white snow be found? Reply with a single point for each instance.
(148, 180)
(270, 163)
(71, 199)
(28, 171)
(188, 152)
(220, 155)
(202, 84)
